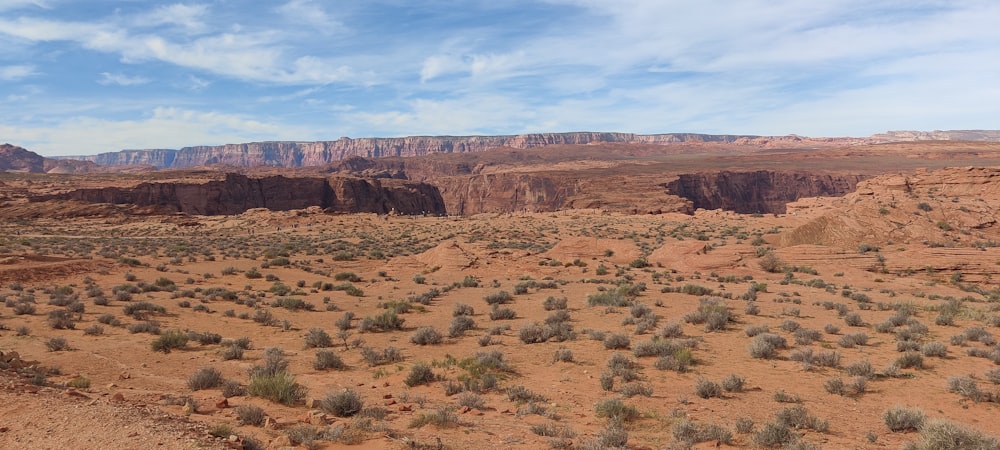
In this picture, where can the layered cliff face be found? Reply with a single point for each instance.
(299, 154)
(759, 191)
(237, 193)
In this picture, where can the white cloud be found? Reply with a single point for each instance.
(164, 127)
(308, 12)
(188, 17)
(121, 79)
(16, 72)
(438, 65)
(15, 4)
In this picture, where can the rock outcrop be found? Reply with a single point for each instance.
(17, 159)
(238, 193)
(300, 154)
(759, 191)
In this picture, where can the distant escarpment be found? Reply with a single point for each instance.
(237, 193)
(760, 191)
(301, 154)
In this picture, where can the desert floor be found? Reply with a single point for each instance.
(608, 329)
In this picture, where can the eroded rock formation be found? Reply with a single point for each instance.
(760, 191)
(299, 154)
(238, 193)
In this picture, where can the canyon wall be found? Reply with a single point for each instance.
(237, 193)
(759, 191)
(299, 154)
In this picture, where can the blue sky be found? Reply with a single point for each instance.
(83, 77)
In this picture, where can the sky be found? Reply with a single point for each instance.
(85, 77)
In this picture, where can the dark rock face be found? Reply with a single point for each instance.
(760, 191)
(237, 193)
(17, 159)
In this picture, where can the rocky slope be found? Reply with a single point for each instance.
(299, 154)
(238, 193)
(17, 159)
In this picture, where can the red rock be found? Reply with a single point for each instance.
(405, 408)
(222, 404)
(387, 396)
(389, 402)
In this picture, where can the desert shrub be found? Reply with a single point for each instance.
(944, 435)
(557, 317)
(232, 388)
(57, 344)
(993, 376)
(277, 387)
(733, 383)
(654, 347)
(498, 298)
(562, 354)
(426, 336)
(713, 312)
(139, 310)
(967, 388)
(439, 417)
(146, 326)
(774, 435)
(831, 329)
(461, 309)
(230, 352)
(806, 336)
(521, 394)
(327, 359)
(744, 425)
(24, 308)
(861, 368)
(616, 341)
(798, 417)
(616, 410)
(790, 326)
(533, 333)
(93, 330)
(420, 373)
(205, 378)
(471, 400)
(498, 313)
(689, 432)
(854, 319)
(679, 361)
(707, 389)
(934, 349)
(852, 339)
(250, 415)
(553, 303)
(345, 403)
(460, 324)
(835, 385)
(635, 388)
(671, 330)
(754, 330)
(766, 345)
(388, 355)
(61, 319)
(387, 321)
(910, 360)
(169, 340)
(784, 397)
(274, 362)
(204, 338)
(899, 418)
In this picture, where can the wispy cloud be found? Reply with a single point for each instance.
(310, 13)
(121, 79)
(17, 72)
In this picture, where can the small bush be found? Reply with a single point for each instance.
(563, 354)
(910, 360)
(498, 298)
(170, 340)
(707, 389)
(440, 417)
(783, 397)
(854, 319)
(899, 418)
(944, 435)
(616, 341)
(461, 309)
(426, 336)
(250, 415)
(61, 319)
(232, 388)
(966, 387)
(616, 410)
(57, 344)
(345, 403)
(278, 387)
(205, 378)
(460, 324)
(326, 359)
(774, 435)
(934, 349)
(318, 338)
(498, 313)
(733, 383)
(553, 303)
(420, 373)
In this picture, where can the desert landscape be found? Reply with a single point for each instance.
(696, 293)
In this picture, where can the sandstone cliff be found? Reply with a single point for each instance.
(758, 191)
(238, 193)
(299, 154)
(17, 159)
